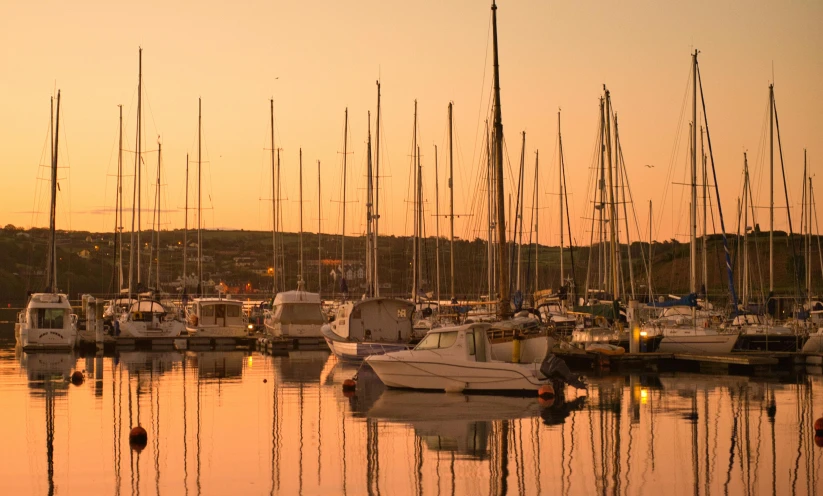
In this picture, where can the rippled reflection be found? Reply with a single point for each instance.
(235, 422)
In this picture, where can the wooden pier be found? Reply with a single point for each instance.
(111, 343)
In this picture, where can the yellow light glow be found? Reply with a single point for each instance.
(643, 334)
(249, 362)
(644, 395)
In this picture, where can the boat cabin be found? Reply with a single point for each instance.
(217, 312)
(468, 342)
(48, 311)
(375, 319)
(298, 307)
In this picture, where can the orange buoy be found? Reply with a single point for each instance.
(77, 378)
(546, 391)
(138, 438)
(349, 385)
(818, 426)
(265, 381)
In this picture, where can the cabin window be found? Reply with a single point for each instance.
(470, 342)
(207, 311)
(232, 311)
(220, 311)
(437, 340)
(49, 318)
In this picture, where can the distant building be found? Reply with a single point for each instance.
(84, 254)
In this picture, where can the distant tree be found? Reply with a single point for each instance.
(9, 228)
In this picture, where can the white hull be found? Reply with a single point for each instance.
(401, 370)
(355, 350)
(697, 341)
(138, 329)
(532, 349)
(44, 339)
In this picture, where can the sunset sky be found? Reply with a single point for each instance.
(317, 58)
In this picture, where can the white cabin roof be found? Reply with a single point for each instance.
(49, 300)
(296, 297)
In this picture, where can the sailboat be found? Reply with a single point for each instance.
(689, 332)
(372, 325)
(211, 317)
(145, 316)
(48, 321)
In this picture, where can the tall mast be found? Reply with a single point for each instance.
(420, 238)
(807, 211)
(771, 189)
(704, 241)
(451, 207)
(300, 238)
(745, 230)
(601, 272)
(50, 249)
(612, 211)
(489, 208)
(536, 223)
(369, 204)
(503, 309)
(199, 201)
(52, 266)
(343, 235)
(119, 215)
(693, 207)
(273, 203)
(415, 167)
(519, 215)
(376, 214)
(157, 262)
(319, 225)
(437, 226)
(560, 183)
(186, 232)
(138, 160)
(278, 226)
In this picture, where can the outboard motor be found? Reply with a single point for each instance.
(554, 368)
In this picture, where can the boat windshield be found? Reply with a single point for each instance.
(437, 340)
(48, 318)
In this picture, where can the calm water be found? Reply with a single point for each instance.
(215, 427)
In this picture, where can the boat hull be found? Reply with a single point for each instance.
(217, 332)
(44, 339)
(164, 329)
(359, 350)
(814, 344)
(498, 377)
(697, 342)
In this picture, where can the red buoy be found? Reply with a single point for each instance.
(546, 391)
(77, 378)
(265, 381)
(138, 438)
(818, 426)
(818, 440)
(349, 385)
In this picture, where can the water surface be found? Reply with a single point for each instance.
(234, 422)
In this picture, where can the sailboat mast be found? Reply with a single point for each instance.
(437, 226)
(489, 189)
(420, 235)
(157, 260)
(503, 309)
(621, 172)
(560, 183)
(343, 235)
(536, 223)
(451, 207)
(415, 164)
(612, 210)
(300, 237)
(199, 200)
(119, 215)
(745, 230)
(519, 215)
(138, 160)
(651, 265)
(52, 270)
(186, 232)
(771, 189)
(693, 174)
(273, 203)
(369, 204)
(376, 214)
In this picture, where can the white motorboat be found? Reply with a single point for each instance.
(371, 326)
(148, 319)
(455, 359)
(295, 314)
(216, 317)
(47, 323)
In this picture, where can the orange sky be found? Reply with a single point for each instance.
(316, 58)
